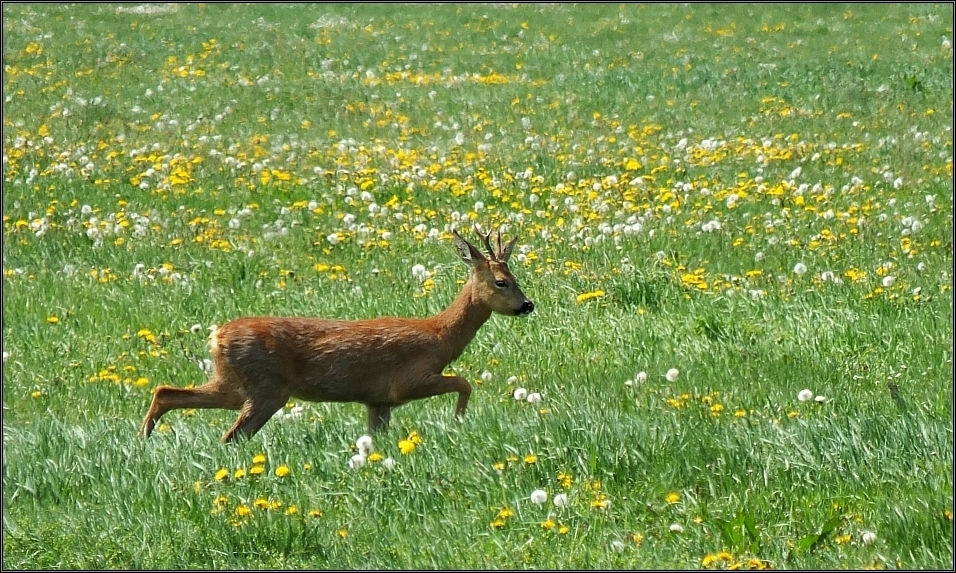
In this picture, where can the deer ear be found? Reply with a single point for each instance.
(506, 252)
(468, 252)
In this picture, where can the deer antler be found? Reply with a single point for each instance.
(485, 237)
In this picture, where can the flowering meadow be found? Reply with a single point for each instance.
(735, 223)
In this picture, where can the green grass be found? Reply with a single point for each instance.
(186, 165)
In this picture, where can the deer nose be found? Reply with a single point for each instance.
(526, 308)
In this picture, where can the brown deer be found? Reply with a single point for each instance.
(261, 362)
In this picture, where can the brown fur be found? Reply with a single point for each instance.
(262, 362)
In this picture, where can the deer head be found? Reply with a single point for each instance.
(493, 283)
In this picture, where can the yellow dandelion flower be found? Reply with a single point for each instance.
(240, 473)
(291, 510)
(315, 513)
(637, 538)
(261, 503)
(530, 459)
(257, 470)
(498, 466)
(406, 446)
(259, 459)
(222, 474)
(373, 457)
(52, 319)
(565, 478)
(548, 524)
(243, 510)
(342, 533)
(586, 296)
(36, 394)
(672, 497)
(505, 513)
(282, 471)
(498, 523)
(563, 529)
(713, 558)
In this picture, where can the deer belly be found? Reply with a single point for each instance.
(367, 390)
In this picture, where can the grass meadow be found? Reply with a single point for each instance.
(735, 221)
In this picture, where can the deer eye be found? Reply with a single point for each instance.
(501, 284)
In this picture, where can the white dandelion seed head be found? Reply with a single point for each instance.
(672, 375)
(868, 537)
(888, 281)
(676, 528)
(820, 399)
(628, 383)
(520, 394)
(6, 356)
(640, 377)
(357, 461)
(419, 272)
(364, 445)
(539, 496)
(799, 268)
(388, 463)
(805, 395)
(534, 398)
(561, 500)
(921, 267)
(486, 376)
(333, 239)
(617, 546)
(196, 328)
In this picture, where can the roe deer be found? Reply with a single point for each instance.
(261, 362)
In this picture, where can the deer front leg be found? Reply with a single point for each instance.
(378, 417)
(436, 384)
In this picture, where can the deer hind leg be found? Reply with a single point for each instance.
(438, 384)
(215, 394)
(255, 413)
(378, 417)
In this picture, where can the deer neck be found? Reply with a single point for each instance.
(458, 324)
